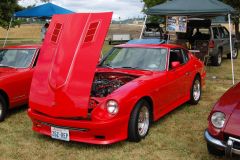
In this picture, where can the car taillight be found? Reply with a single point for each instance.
(211, 44)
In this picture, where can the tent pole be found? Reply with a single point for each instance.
(7, 32)
(231, 47)
(144, 23)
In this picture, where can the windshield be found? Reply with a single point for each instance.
(16, 58)
(137, 58)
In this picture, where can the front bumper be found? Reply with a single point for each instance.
(87, 131)
(228, 146)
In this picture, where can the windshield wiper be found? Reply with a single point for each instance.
(2, 65)
(129, 67)
(137, 68)
(107, 66)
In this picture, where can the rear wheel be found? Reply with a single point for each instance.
(139, 121)
(196, 91)
(217, 59)
(214, 151)
(3, 108)
(235, 53)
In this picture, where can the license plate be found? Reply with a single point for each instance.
(59, 133)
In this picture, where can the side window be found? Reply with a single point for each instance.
(185, 56)
(221, 32)
(226, 33)
(215, 32)
(175, 56)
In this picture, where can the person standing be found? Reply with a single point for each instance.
(44, 30)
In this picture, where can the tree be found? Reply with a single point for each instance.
(236, 5)
(151, 3)
(7, 9)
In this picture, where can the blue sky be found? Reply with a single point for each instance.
(121, 8)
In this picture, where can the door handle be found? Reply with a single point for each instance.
(187, 73)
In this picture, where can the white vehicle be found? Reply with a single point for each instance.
(119, 38)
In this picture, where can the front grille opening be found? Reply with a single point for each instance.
(100, 137)
(236, 145)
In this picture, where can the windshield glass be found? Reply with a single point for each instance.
(137, 58)
(17, 58)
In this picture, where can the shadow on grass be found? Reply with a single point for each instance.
(170, 114)
(17, 110)
(79, 145)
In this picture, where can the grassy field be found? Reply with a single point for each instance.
(30, 33)
(177, 136)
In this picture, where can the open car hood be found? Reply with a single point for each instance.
(65, 70)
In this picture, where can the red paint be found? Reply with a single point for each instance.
(15, 82)
(60, 91)
(229, 104)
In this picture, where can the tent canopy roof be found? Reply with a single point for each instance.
(46, 10)
(192, 8)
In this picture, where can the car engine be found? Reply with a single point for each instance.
(105, 83)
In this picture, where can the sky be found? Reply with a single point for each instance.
(121, 8)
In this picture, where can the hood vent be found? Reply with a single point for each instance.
(56, 32)
(91, 32)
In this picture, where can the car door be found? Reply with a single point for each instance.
(19, 86)
(225, 39)
(178, 77)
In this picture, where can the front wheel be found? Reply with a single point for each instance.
(3, 108)
(235, 53)
(139, 121)
(196, 91)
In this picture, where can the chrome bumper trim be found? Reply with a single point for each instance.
(227, 147)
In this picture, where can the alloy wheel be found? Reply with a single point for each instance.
(143, 121)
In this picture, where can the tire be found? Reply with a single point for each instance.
(214, 151)
(217, 59)
(138, 128)
(196, 91)
(235, 53)
(3, 108)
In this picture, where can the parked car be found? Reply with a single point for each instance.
(119, 38)
(135, 84)
(16, 70)
(153, 30)
(217, 37)
(223, 132)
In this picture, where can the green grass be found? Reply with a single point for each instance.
(177, 136)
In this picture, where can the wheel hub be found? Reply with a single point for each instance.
(143, 121)
(196, 90)
(219, 59)
(1, 109)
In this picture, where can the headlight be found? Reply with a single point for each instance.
(112, 107)
(218, 119)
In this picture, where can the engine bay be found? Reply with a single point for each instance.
(105, 83)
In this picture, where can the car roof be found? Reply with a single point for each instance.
(34, 46)
(170, 46)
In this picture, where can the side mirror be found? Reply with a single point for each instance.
(175, 64)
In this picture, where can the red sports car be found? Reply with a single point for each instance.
(16, 70)
(223, 133)
(135, 84)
